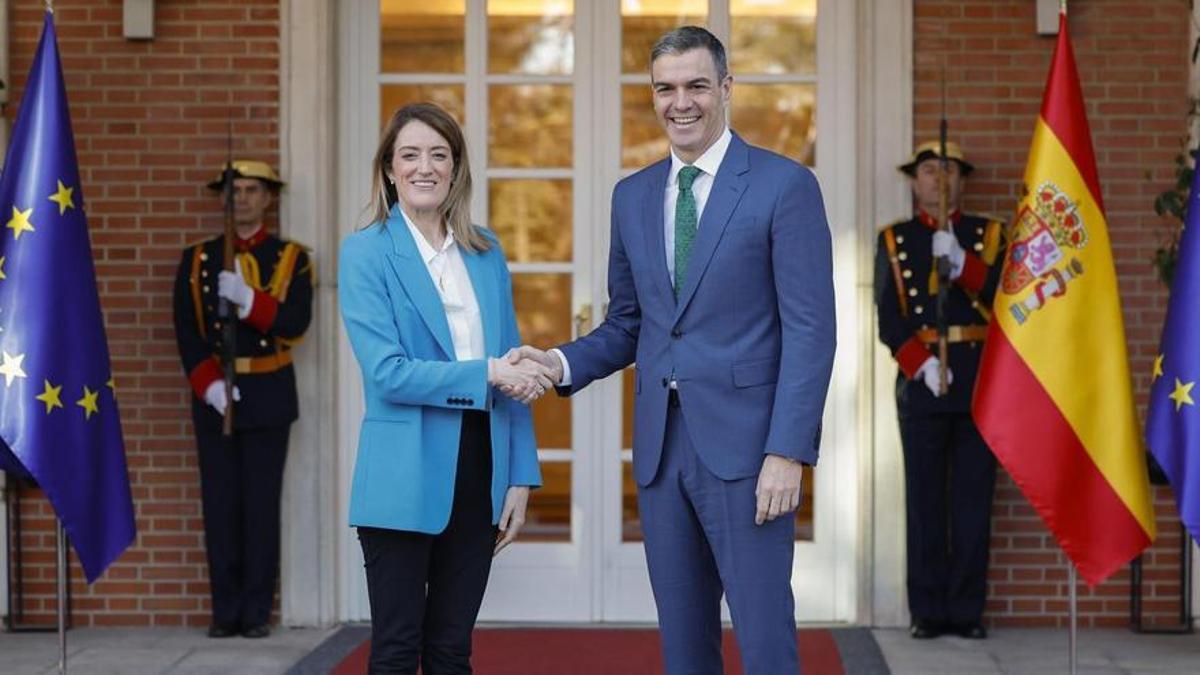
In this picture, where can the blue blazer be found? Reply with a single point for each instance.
(750, 340)
(414, 388)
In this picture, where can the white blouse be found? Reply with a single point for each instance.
(449, 273)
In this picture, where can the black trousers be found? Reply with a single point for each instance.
(949, 473)
(425, 590)
(241, 479)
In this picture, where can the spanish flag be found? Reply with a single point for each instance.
(1053, 398)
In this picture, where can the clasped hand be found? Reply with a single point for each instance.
(524, 374)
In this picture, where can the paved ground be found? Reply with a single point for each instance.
(1037, 651)
(156, 650)
(176, 650)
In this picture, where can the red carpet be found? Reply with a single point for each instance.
(599, 651)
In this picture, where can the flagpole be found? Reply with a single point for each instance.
(1073, 611)
(60, 542)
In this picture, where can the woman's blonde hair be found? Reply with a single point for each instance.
(456, 209)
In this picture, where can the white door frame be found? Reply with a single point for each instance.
(329, 176)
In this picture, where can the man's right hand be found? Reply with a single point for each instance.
(214, 395)
(550, 361)
(521, 379)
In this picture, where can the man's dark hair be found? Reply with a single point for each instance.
(687, 38)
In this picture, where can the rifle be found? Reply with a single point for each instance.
(943, 263)
(225, 308)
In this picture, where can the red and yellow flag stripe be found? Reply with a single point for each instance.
(1054, 398)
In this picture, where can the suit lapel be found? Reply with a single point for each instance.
(727, 189)
(485, 286)
(652, 218)
(414, 276)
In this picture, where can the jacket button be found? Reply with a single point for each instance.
(676, 334)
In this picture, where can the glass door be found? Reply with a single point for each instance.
(554, 98)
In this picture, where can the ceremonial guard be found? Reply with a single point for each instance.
(268, 294)
(949, 470)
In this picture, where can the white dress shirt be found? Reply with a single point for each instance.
(449, 273)
(708, 163)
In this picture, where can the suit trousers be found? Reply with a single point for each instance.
(700, 540)
(425, 589)
(949, 474)
(241, 479)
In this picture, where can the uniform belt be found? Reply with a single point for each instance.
(971, 333)
(257, 365)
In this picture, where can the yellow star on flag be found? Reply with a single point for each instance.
(49, 396)
(11, 368)
(1158, 371)
(88, 402)
(63, 198)
(1182, 394)
(20, 222)
(2, 274)
(112, 384)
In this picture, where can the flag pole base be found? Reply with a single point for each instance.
(61, 545)
(1073, 634)
(1186, 617)
(14, 621)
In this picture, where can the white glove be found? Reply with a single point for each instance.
(232, 287)
(945, 245)
(215, 396)
(929, 372)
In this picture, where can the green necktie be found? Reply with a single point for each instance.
(685, 225)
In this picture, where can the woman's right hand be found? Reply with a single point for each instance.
(524, 381)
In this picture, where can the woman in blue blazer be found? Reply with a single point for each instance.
(445, 459)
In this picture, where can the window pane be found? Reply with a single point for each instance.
(643, 141)
(531, 36)
(804, 514)
(631, 523)
(543, 303)
(773, 36)
(421, 37)
(393, 96)
(548, 517)
(529, 125)
(778, 117)
(532, 218)
(644, 21)
(628, 380)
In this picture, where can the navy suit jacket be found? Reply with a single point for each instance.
(750, 340)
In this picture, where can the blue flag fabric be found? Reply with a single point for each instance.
(1173, 421)
(58, 408)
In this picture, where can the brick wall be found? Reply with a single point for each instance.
(150, 120)
(1133, 63)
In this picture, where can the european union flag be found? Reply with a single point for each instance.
(58, 407)
(1173, 422)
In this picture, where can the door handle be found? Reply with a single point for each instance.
(583, 320)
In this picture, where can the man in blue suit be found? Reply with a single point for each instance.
(720, 286)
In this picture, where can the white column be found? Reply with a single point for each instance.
(309, 215)
(886, 125)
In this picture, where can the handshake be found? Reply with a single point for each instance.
(525, 373)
